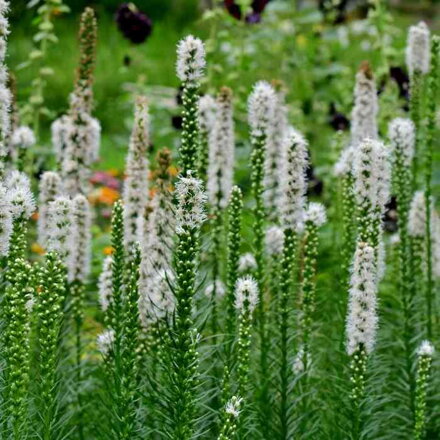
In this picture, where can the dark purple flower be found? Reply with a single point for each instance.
(134, 24)
(337, 120)
(254, 16)
(390, 217)
(402, 80)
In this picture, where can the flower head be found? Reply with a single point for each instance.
(417, 215)
(246, 294)
(135, 25)
(59, 227)
(191, 203)
(105, 341)
(426, 349)
(23, 137)
(19, 195)
(401, 132)
(190, 60)
(261, 108)
(362, 318)
(274, 240)
(315, 213)
(5, 221)
(418, 50)
(218, 287)
(207, 111)
(233, 406)
(344, 165)
(105, 290)
(247, 263)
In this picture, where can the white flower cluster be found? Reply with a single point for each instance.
(233, 406)
(5, 94)
(105, 291)
(362, 318)
(135, 194)
(50, 187)
(156, 299)
(372, 172)
(191, 198)
(207, 112)
(19, 195)
(344, 165)
(59, 223)
(274, 240)
(402, 133)
(246, 294)
(365, 109)
(105, 341)
(247, 263)
(5, 221)
(80, 147)
(261, 109)
(275, 157)
(417, 215)
(298, 362)
(218, 287)
(190, 60)
(418, 50)
(59, 130)
(426, 349)
(23, 137)
(294, 180)
(315, 213)
(81, 240)
(221, 152)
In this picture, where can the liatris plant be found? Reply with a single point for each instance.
(190, 66)
(246, 300)
(5, 222)
(182, 354)
(231, 413)
(431, 115)
(50, 300)
(424, 361)
(417, 60)
(105, 288)
(136, 183)
(50, 188)
(361, 326)
(261, 106)
(16, 308)
(22, 139)
(207, 110)
(294, 188)
(80, 146)
(364, 114)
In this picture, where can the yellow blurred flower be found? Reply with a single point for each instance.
(37, 249)
(301, 41)
(108, 250)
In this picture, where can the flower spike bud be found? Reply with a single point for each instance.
(362, 316)
(364, 114)
(401, 132)
(315, 214)
(190, 60)
(261, 108)
(418, 51)
(105, 341)
(19, 194)
(246, 294)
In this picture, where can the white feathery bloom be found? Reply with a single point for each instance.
(105, 341)
(344, 165)
(365, 109)
(221, 152)
(219, 288)
(298, 362)
(246, 294)
(402, 134)
(316, 214)
(59, 129)
(190, 60)
(50, 187)
(275, 157)
(207, 112)
(426, 349)
(418, 50)
(362, 318)
(135, 194)
(94, 140)
(274, 240)
(5, 222)
(19, 195)
(158, 227)
(261, 108)
(371, 169)
(30, 304)
(105, 290)
(232, 407)
(191, 198)
(417, 215)
(81, 240)
(59, 222)
(23, 137)
(247, 263)
(294, 180)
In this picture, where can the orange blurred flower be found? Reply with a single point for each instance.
(104, 195)
(108, 250)
(35, 216)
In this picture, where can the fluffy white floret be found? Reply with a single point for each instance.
(426, 348)
(401, 132)
(23, 137)
(418, 51)
(246, 294)
(218, 288)
(247, 263)
(233, 406)
(274, 240)
(261, 108)
(417, 215)
(19, 195)
(105, 341)
(190, 60)
(316, 214)
(105, 290)
(5, 221)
